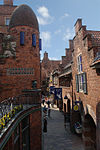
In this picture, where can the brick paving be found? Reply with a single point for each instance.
(59, 138)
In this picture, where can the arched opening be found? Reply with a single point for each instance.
(89, 133)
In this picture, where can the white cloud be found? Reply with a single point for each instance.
(44, 17)
(58, 31)
(42, 21)
(53, 58)
(69, 34)
(65, 16)
(43, 11)
(46, 37)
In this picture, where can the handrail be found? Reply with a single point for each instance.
(11, 106)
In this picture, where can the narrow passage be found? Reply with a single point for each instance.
(56, 137)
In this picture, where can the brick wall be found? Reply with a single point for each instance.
(26, 57)
(48, 66)
(5, 12)
(35, 131)
(93, 88)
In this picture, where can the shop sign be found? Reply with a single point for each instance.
(58, 93)
(76, 107)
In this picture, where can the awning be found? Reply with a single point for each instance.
(65, 74)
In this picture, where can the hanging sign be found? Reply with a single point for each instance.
(76, 107)
(58, 93)
(52, 89)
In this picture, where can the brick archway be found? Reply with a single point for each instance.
(89, 133)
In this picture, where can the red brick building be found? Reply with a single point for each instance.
(86, 79)
(20, 77)
(84, 88)
(47, 66)
(79, 79)
(5, 15)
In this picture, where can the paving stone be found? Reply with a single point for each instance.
(57, 138)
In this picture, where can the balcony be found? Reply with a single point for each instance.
(14, 108)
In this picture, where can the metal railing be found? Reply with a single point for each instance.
(12, 106)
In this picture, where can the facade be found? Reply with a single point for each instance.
(65, 78)
(18, 65)
(47, 66)
(20, 94)
(79, 78)
(86, 90)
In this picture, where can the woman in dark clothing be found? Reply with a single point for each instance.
(45, 125)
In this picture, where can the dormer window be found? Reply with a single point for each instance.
(7, 21)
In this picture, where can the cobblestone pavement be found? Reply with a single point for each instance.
(59, 138)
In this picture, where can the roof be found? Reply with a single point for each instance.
(96, 62)
(66, 73)
(23, 15)
(95, 37)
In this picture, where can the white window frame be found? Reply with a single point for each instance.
(7, 21)
(80, 80)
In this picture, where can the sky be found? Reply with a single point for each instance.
(56, 21)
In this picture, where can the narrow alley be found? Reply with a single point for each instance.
(57, 137)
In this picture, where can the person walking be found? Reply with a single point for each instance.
(45, 125)
(48, 102)
(49, 110)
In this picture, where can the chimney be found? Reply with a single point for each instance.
(71, 45)
(45, 56)
(8, 2)
(78, 25)
(67, 51)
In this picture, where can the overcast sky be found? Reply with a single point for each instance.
(57, 18)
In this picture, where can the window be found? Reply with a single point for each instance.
(40, 44)
(81, 83)
(34, 40)
(7, 21)
(21, 38)
(34, 84)
(79, 63)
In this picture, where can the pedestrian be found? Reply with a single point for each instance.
(52, 103)
(48, 102)
(43, 100)
(44, 109)
(49, 110)
(45, 125)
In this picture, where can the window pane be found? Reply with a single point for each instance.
(80, 59)
(7, 21)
